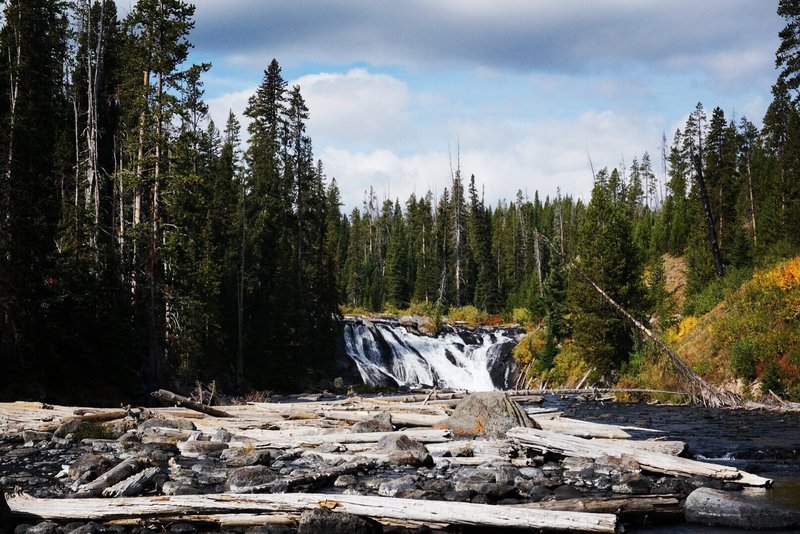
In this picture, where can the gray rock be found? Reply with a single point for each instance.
(250, 479)
(196, 449)
(178, 423)
(380, 423)
(632, 484)
(243, 459)
(321, 520)
(488, 414)
(89, 463)
(391, 488)
(344, 481)
(176, 487)
(722, 508)
(405, 451)
(31, 436)
(565, 492)
(221, 436)
(46, 527)
(88, 528)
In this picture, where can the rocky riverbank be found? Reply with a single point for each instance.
(415, 463)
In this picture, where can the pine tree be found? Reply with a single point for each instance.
(606, 250)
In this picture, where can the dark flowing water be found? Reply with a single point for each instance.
(766, 443)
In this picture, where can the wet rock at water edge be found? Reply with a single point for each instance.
(322, 520)
(488, 414)
(722, 508)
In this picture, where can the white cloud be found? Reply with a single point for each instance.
(539, 156)
(221, 106)
(358, 109)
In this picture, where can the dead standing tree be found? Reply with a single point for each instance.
(709, 395)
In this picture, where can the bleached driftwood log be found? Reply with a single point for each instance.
(133, 485)
(380, 508)
(118, 473)
(583, 429)
(168, 397)
(652, 461)
(398, 418)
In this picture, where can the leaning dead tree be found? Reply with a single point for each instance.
(699, 388)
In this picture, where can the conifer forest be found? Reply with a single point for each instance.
(144, 246)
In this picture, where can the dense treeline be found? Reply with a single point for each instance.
(143, 246)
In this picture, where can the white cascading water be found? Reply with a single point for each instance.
(387, 353)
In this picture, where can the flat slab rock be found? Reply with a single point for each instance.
(729, 509)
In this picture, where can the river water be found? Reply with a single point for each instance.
(766, 443)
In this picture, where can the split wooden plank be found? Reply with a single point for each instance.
(543, 440)
(451, 513)
(582, 429)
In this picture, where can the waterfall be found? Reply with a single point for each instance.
(387, 353)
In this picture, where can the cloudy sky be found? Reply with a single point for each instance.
(528, 89)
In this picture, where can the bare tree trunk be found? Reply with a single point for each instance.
(712, 233)
(752, 203)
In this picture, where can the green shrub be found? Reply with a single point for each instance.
(743, 358)
(468, 314)
(522, 316)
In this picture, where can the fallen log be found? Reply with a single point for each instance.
(398, 418)
(279, 439)
(133, 485)
(582, 429)
(631, 508)
(545, 441)
(120, 472)
(170, 398)
(380, 508)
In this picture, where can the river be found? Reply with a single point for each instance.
(766, 443)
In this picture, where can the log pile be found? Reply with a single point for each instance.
(382, 458)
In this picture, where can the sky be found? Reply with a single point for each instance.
(523, 92)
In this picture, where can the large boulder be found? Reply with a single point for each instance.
(489, 414)
(723, 508)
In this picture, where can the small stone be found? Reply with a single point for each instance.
(89, 528)
(344, 481)
(177, 423)
(632, 484)
(196, 449)
(46, 527)
(221, 436)
(405, 451)
(565, 492)
(391, 488)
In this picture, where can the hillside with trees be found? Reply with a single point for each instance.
(144, 246)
